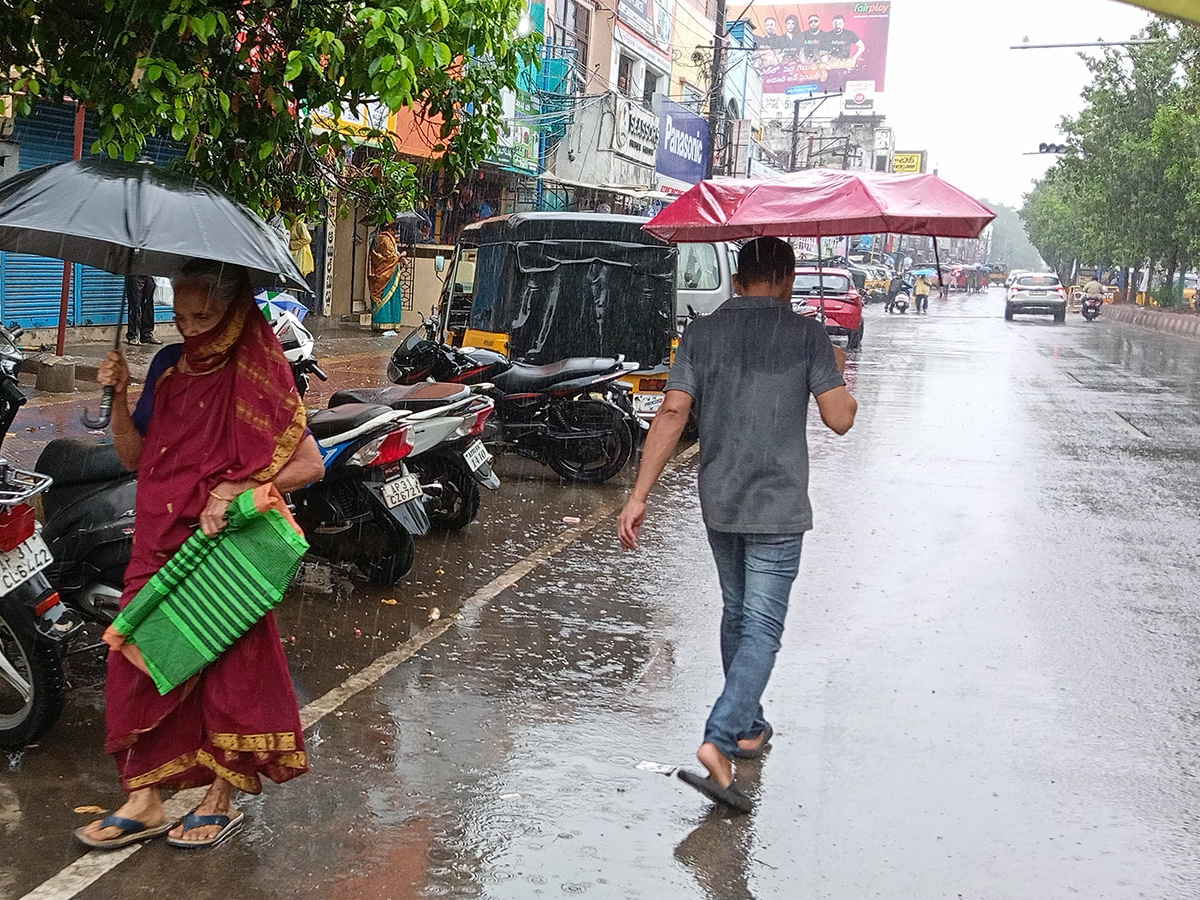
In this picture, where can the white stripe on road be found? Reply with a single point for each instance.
(86, 870)
(1128, 426)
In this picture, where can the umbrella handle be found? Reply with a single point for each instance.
(104, 416)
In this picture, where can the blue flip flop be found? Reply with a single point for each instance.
(229, 827)
(135, 832)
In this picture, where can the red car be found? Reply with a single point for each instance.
(830, 295)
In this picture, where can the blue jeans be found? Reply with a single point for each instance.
(756, 573)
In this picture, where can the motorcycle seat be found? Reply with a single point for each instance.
(70, 461)
(329, 423)
(524, 377)
(411, 397)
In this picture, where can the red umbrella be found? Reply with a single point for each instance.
(821, 203)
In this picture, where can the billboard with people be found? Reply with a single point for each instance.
(814, 48)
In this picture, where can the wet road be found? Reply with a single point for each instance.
(988, 687)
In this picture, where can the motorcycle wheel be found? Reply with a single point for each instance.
(854, 340)
(458, 505)
(39, 664)
(591, 415)
(385, 554)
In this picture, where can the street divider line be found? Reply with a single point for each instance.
(1128, 426)
(90, 867)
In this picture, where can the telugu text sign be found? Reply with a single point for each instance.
(909, 162)
(820, 46)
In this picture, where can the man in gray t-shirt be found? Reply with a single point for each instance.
(747, 370)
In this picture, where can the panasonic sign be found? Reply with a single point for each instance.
(683, 146)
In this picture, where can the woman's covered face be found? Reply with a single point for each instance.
(195, 310)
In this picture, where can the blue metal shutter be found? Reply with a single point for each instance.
(98, 295)
(31, 286)
(31, 290)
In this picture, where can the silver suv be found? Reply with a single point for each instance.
(1037, 294)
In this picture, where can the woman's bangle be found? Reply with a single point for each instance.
(213, 493)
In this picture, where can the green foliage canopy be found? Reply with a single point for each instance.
(246, 86)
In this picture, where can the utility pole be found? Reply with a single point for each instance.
(716, 86)
(795, 132)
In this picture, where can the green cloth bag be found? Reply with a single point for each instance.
(212, 591)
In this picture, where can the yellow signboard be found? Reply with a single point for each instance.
(909, 163)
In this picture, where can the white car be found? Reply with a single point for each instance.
(1037, 294)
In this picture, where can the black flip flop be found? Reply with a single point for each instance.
(726, 796)
(756, 753)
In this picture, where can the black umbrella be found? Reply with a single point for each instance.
(136, 219)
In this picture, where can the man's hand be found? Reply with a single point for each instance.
(629, 523)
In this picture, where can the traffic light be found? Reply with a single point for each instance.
(1052, 148)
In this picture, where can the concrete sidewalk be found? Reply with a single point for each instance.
(334, 339)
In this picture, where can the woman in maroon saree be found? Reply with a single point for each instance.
(219, 414)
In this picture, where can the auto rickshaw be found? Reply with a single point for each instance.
(876, 283)
(540, 287)
(998, 272)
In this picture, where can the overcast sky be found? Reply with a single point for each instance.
(955, 89)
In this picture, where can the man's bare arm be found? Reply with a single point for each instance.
(838, 408)
(665, 431)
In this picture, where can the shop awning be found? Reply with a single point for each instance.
(636, 191)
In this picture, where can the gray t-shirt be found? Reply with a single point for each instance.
(750, 367)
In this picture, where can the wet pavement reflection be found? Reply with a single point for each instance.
(987, 687)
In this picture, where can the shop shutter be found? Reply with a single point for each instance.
(31, 286)
(99, 296)
(31, 289)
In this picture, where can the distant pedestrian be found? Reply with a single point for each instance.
(139, 301)
(921, 294)
(747, 371)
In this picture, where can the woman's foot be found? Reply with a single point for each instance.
(720, 766)
(143, 806)
(217, 802)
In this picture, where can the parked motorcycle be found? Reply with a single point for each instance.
(1090, 307)
(35, 624)
(573, 415)
(445, 423)
(368, 506)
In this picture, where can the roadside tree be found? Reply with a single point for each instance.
(250, 89)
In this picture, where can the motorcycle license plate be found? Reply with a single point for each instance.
(401, 490)
(476, 456)
(645, 404)
(21, 563)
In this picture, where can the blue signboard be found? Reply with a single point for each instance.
(682, 146)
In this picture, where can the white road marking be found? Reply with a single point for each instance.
(1128, 426)
(86, 870)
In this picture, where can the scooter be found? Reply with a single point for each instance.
(368, 506)
(899, 303)
(1090, 307)
(573, 415)
(445, 423)
(35, 625)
